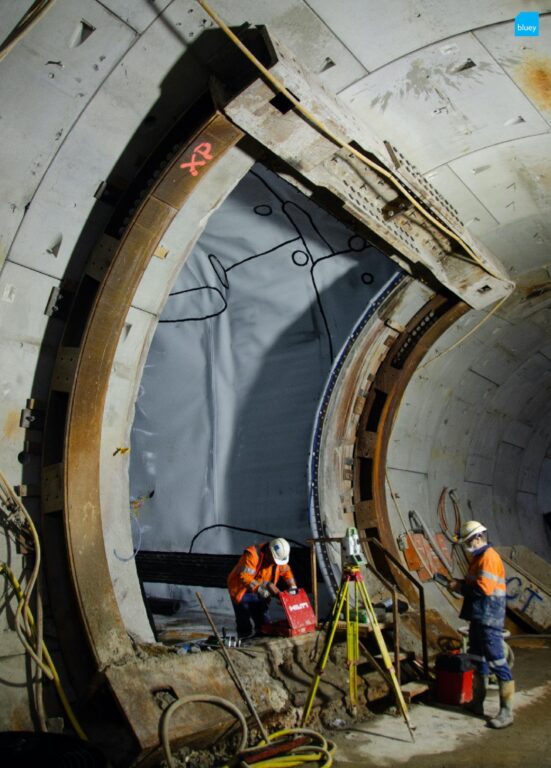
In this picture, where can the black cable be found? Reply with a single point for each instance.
(237, 528)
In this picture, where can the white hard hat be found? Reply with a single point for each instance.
(471, 528)
(280, 550)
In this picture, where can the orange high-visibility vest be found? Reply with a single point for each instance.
(484, 590)
(252, 571)
(487, 573)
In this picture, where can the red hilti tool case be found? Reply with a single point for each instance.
(300, 617)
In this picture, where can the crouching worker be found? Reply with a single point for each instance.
(254, 580)
(484, 606)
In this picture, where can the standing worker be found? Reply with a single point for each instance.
(253, 582)
(484, 606)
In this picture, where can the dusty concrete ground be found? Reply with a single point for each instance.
(446, 737)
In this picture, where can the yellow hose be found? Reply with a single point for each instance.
(10, 499)
(321, 752)
(49, 668)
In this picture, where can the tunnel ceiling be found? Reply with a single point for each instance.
(451, 85)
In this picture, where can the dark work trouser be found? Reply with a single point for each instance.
(487, 651)
(252, 607)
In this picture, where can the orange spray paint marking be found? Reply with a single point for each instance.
(204, 151)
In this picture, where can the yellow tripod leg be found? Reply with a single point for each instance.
(353, 651)
(386, 657)
(337, 608)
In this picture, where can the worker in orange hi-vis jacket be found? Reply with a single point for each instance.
(254, 580)
(484, 606)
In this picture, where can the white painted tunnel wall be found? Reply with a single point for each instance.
(64, 126)
(477, 420)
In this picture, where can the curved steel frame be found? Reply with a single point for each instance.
(80, 383)
(365, 420)
(88, 365)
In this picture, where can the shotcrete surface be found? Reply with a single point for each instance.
(447, 737)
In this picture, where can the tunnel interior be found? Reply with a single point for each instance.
(224, 320)
(234, 375)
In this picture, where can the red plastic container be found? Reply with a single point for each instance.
(454, 687)
(454, 679)
(300, 616)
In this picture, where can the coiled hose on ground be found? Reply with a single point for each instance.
(304, 745)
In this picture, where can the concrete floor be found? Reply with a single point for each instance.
(446, 737)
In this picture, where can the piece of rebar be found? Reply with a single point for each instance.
(237, 680)
(396, 620)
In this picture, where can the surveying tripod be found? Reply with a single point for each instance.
(352, 574)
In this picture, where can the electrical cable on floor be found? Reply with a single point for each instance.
(217, 701)
(326, 131)
(299, 752)
(321, 752)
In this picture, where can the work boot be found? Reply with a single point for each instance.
(480, 686)
(505, 714)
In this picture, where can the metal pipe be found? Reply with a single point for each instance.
(396, 633)
(237, 679)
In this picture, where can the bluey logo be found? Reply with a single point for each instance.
(527, 24)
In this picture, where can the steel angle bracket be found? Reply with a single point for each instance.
(367, 194)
